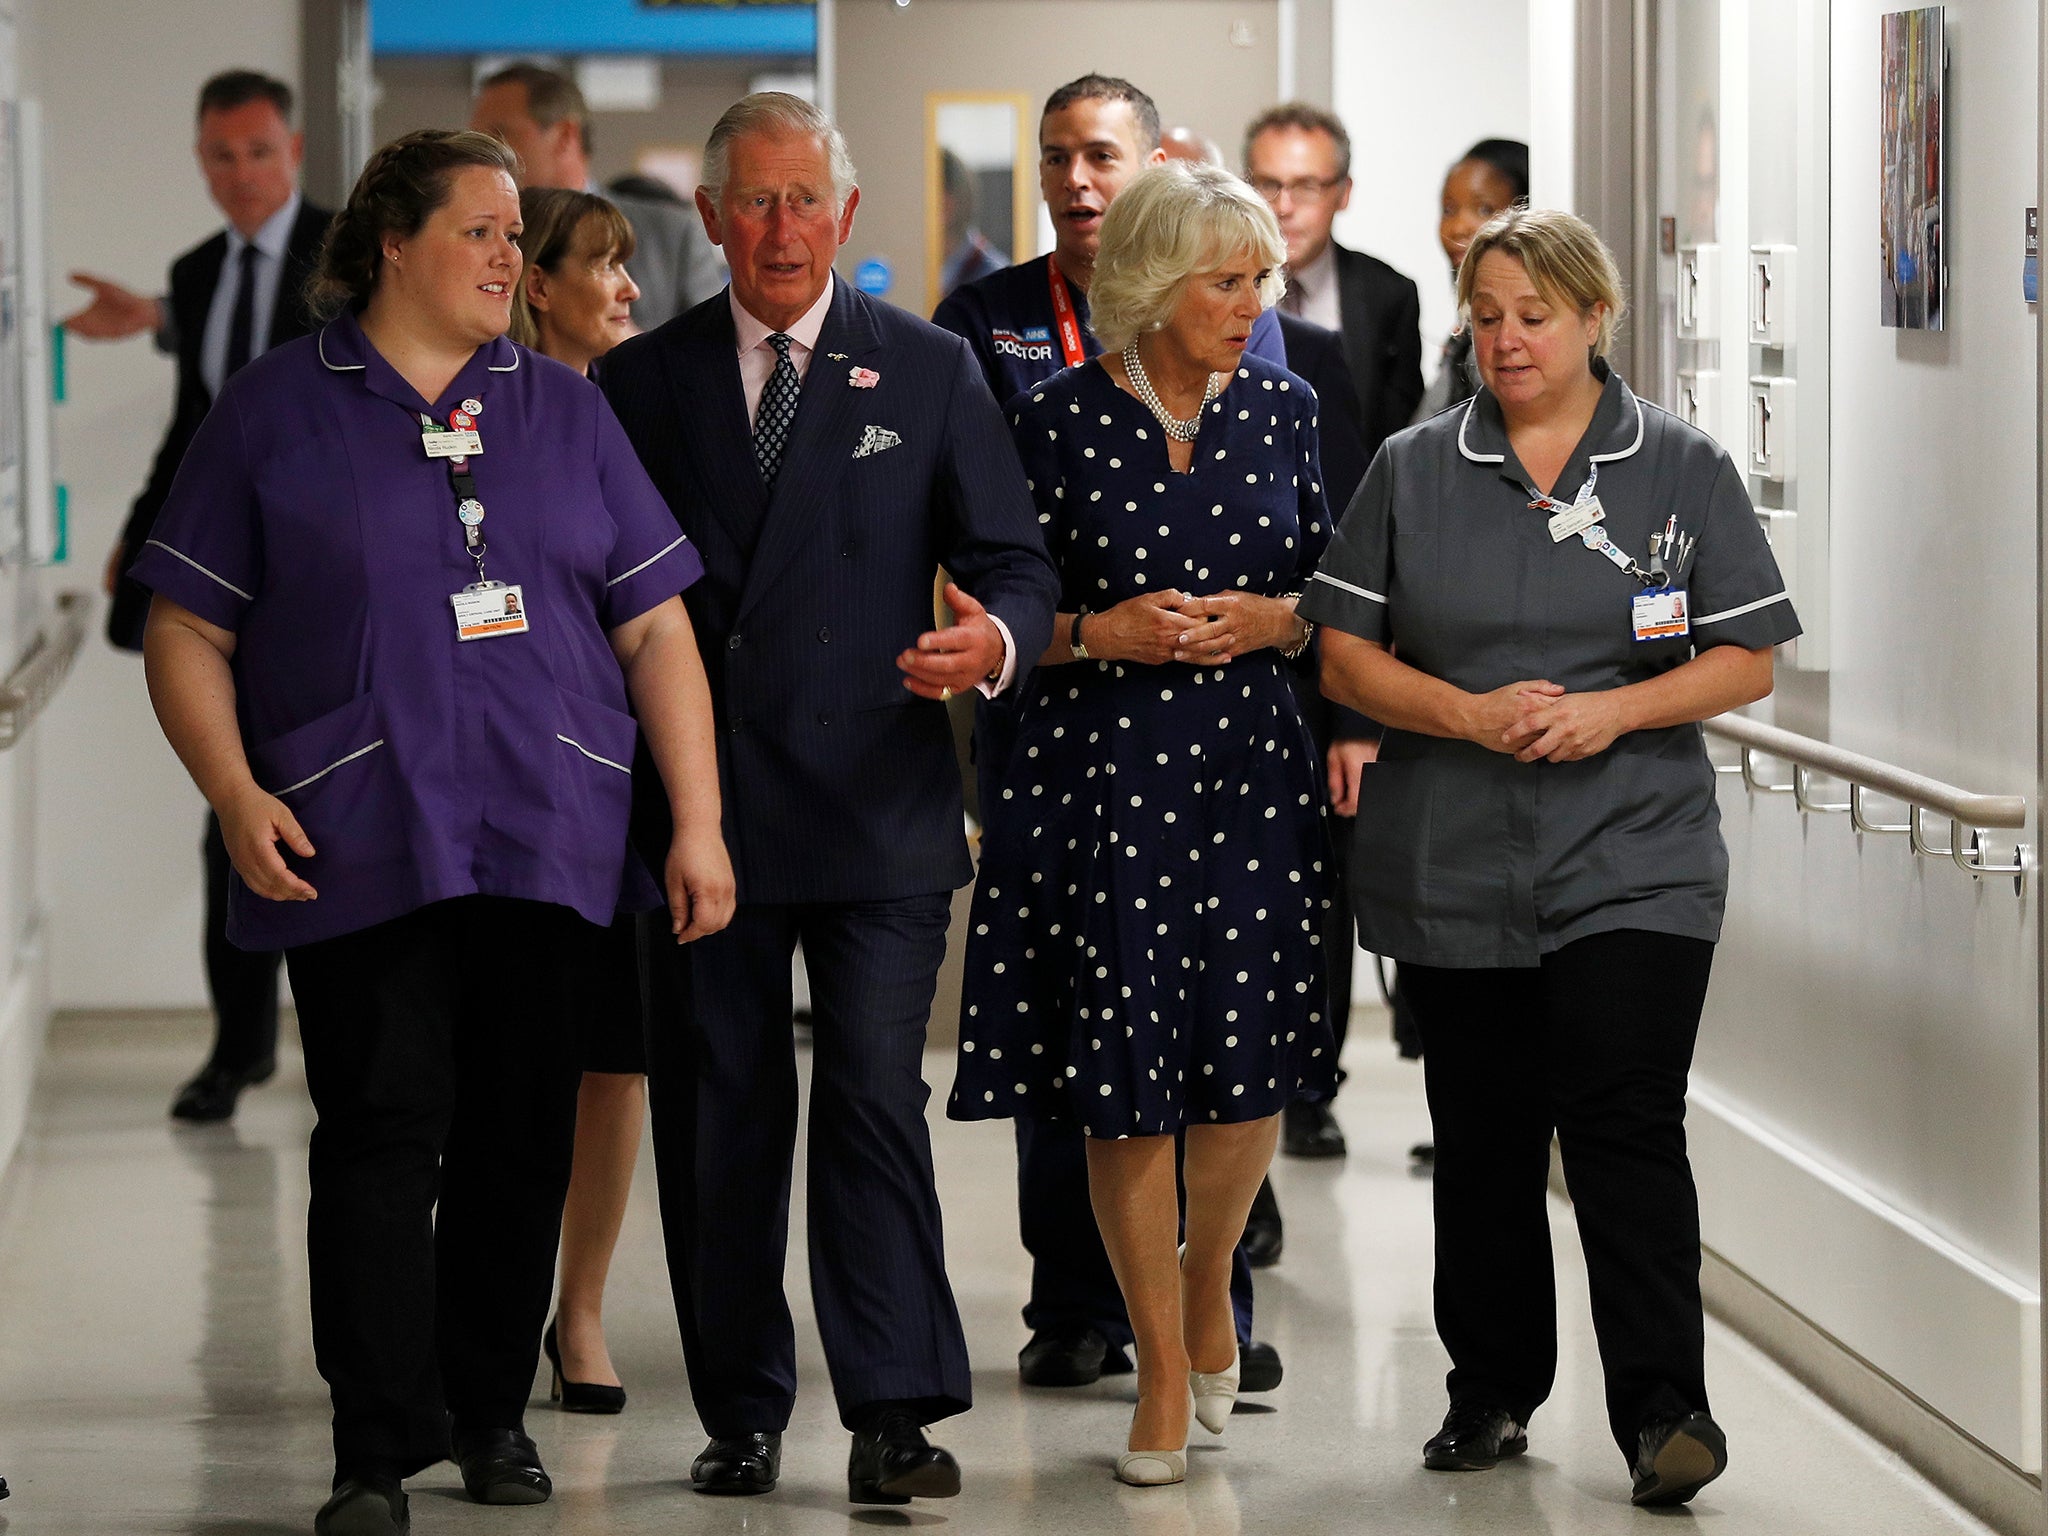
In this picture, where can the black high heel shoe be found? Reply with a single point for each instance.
(578, 1396)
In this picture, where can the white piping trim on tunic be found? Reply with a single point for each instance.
(511, 367)
(1736, 613)
(592, 755)
(338, 367)
(1604, 458)
(681, 539)
(338, 762)
(1476, 458)
(202, 570)
(1333, 581)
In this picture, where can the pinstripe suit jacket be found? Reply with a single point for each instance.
(839, 784)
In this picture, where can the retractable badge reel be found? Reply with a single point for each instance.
(484, 609)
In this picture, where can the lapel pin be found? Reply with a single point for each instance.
(864, 378)
(474, 406)
(837, 357)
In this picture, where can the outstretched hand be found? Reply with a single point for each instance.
(946, 661)
(115, 313)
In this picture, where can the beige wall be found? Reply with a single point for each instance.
(889, 57)
(434, 93)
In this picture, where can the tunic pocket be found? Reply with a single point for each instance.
(335, 774)
(594, 779)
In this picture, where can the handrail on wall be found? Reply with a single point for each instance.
(1969, 815)
(35, 678)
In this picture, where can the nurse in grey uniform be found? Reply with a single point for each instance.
(1542, 594)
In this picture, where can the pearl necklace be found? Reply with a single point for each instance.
(1180, 431)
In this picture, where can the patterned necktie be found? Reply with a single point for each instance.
(1293, 301)
(242, 320)
(778, 410)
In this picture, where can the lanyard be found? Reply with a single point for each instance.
(1069, 324)
(1594, 536)
(469, 511)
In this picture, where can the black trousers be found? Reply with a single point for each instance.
(722, 1083)
(442, 1061)
(1593, 1044)
(242, 982)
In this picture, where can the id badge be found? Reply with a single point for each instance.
(452, 445)
(1659, 614)
(1574, 521)
(489, 610)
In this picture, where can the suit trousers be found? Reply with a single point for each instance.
(442, 1058)
(241, 982)
(1593, 1044)
(722, 1083)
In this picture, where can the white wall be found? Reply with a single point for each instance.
(1865, 1118)
(121, 822)
(1416, 85)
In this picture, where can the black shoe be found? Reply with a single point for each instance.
(1064, 1355)
(502, 1466)
(577, 1396)
(1311, 1130)
(739, 1464)
(1473, 1439)
(1676, 1458)
(893, 1463)
(211, 1095)
(1264, 1236)
(364, 1506)
(1258, 1367)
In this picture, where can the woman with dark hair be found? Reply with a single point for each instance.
(573, 304)
(1491, 177)
(408, 584)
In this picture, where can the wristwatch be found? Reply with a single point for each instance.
(1074, 641)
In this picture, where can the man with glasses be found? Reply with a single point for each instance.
(1299, 159)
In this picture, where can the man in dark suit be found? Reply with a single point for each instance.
(232, 298)
(825, 453)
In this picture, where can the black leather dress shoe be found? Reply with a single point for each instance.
(1676, 1458)
(212, 1094)
(501, 1466)
(1258, 1367)
(1311, 1130)
(1264, 1235)
(893, 1463)
(364, 1506)
(1474, 1437)
(1064, 1355)
(739, 1464)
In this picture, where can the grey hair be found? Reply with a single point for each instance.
(776, 113)
(1168, 224)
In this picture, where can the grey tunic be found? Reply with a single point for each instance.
(1463, 856)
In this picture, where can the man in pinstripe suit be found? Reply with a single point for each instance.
(826, 453)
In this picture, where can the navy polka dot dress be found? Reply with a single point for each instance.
(1144, 950)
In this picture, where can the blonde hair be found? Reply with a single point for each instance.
(1169, 223)
(1564, 258)
(561, 222)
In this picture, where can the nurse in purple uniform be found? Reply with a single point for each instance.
(409, 585)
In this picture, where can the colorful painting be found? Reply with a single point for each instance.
(1910, 194)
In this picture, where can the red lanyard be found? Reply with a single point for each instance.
(1063, 313)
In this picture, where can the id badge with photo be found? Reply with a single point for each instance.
(486, 611)
(1659, 614)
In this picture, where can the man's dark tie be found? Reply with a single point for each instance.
(242, 327)
(778, 410)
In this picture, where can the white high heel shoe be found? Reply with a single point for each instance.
(1215, 1394)
(1152, 1469)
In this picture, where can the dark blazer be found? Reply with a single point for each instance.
(194, 277)
(1382, 315)
(839, 783)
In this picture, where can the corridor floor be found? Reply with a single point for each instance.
(156, 1373)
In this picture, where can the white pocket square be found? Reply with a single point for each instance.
(874, 440)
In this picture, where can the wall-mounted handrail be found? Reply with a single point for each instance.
(36, 677)
(1969, 815)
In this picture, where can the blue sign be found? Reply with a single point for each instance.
(873, 277)
(592, 26)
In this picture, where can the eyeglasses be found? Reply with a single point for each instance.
(1306, 190)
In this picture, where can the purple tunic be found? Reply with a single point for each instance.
(308, 519)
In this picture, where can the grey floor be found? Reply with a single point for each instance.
(156, 1375)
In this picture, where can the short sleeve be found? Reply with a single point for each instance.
(651, 558)
(205, 552)
(1349, 589)
(1313, 507)
(1732, 582)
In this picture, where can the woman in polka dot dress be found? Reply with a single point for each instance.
(1144, 950)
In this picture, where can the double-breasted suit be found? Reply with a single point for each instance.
(842, 810)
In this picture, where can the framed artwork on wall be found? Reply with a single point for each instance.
(1913, 110)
